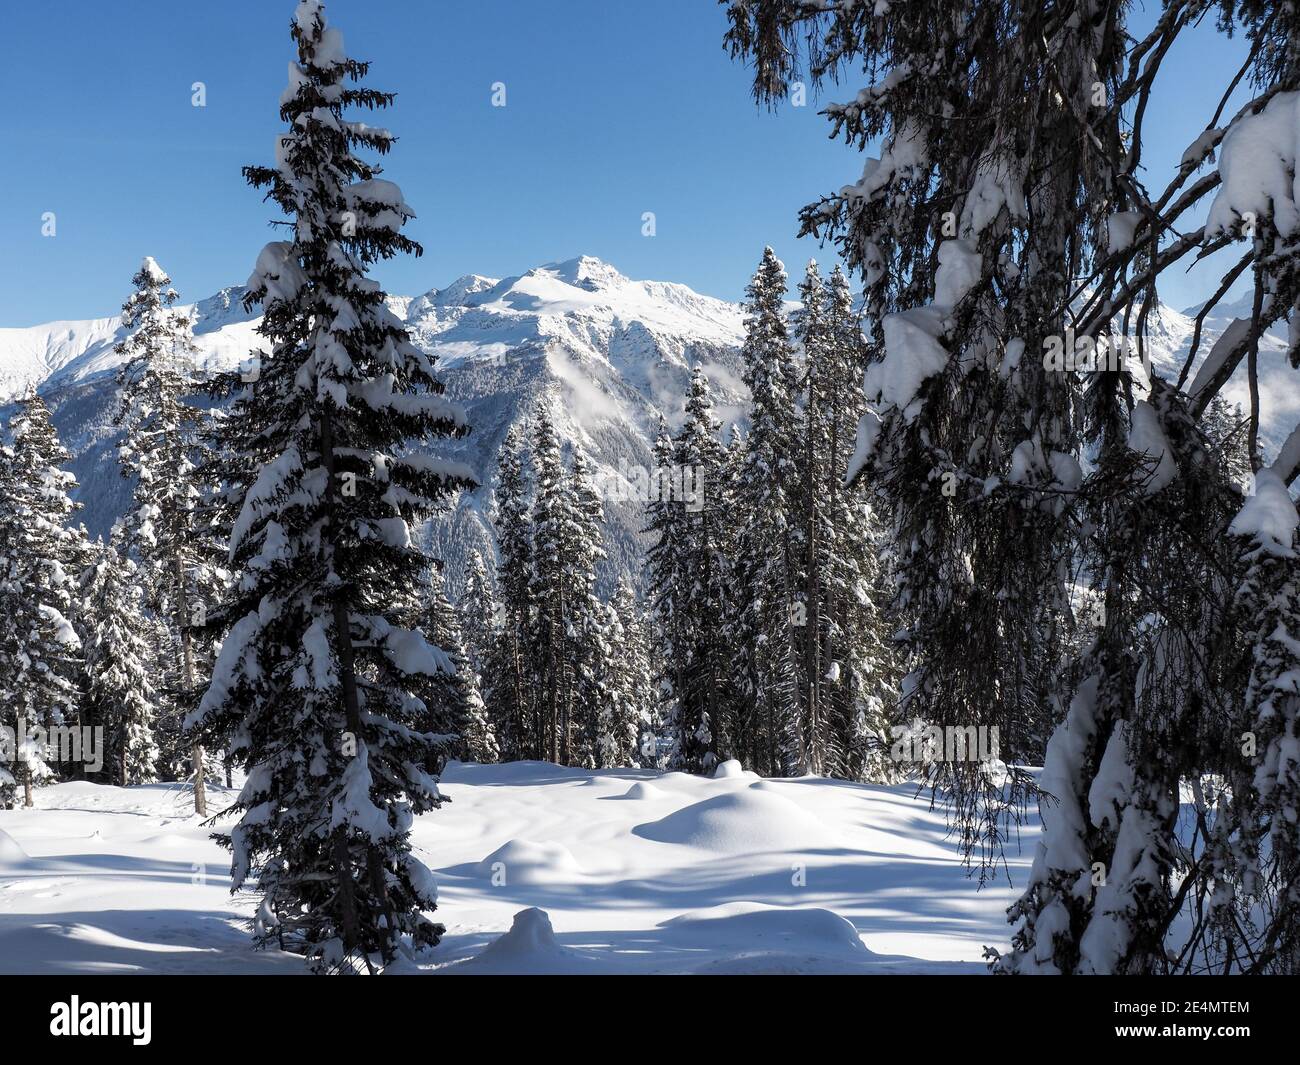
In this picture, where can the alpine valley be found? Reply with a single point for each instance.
(605, 355)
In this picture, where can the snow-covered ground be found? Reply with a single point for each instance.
(613, 871)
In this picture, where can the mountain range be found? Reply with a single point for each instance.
(604, 354)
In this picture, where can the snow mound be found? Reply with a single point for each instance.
(529, 947)
(530, 934)
(10, 853)
(642, 790)
(756, 924)
(740, 821)
(166, 839)
(523, 861)
(728, 770)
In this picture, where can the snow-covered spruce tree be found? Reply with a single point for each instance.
(762, 628)
(594, 625)
(160, 448)
(704, 569)
(510, 693)
(313, 683)
(550, 661)
(1256, 851)
(119, 695)
(455, 705)
(604, 719)
(559, 586)
(1175, 663)
(477, 611)
(849, 672)
(822, 745)
(40, 557)
(691, 737)
(627, 731)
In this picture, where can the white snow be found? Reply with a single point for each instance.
(552, 864)
(742, 821)
(960, 265)
(869, 426)
(913, 354)
(1197, 151)
(11, 855)
(997, 185)
(529, 947)
(155, 272)
(1257, 167)
(730, 770)
(905, 155)
(1120, 228)
(1147, 439)
(1269, 514)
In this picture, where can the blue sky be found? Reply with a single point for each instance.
(613, 109)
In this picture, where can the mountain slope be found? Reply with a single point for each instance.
(605, 354)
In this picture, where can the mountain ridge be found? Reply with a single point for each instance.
(606, 354)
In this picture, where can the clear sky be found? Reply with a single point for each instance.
(613, 108)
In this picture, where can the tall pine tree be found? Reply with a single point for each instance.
(512, 699)
(768, 616)
(119, 695)
(314, 680)
(40, 558)
(160, 445)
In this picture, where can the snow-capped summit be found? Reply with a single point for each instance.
(585, 271)
(459, 293)
(221, 309)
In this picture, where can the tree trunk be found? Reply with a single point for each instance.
(187, 667)
(813, 761)
(344, 652)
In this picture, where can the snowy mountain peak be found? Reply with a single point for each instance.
(221, 309)
(460, 293)
(586, 271)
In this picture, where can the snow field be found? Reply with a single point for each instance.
(541, 869)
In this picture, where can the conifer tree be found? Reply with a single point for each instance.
(595, 630)
(764, 623)
(850, 672)
(455, 704)
(689, 730)
(1256, 856)
(629, 735)
(551, 520)
(1006, 217)
(40, 557)
(315, 675)
(119, 696)
(704, 567)
(512, 698)
(159, 449)
(478, 612)
(821, 745)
